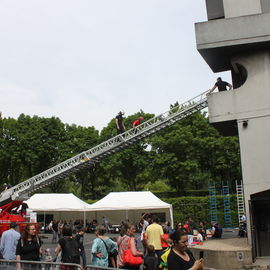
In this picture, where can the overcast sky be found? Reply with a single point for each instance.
(84, 60)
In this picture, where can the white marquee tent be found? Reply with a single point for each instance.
(120, 206)
(116, 206)
(61, 206)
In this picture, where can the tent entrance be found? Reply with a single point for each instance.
(260, 212)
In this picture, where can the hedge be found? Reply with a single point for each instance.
(199, 209)
(187, 193)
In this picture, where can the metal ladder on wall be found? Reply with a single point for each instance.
(227, 205)
(88, 158)
(213, 202)
(240, 201)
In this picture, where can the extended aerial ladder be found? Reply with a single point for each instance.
(88, 158)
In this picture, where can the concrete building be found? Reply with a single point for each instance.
(236, 37)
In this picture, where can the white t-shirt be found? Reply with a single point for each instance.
(145, 225)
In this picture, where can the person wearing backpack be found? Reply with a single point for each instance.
(29, 248)
(70, 249)
(102, 247)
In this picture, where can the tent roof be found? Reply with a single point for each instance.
(56, 202)
(128, 200)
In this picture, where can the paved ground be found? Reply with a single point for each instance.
(227, 243)
(88, 239)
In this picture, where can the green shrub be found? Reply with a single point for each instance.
(198, 208)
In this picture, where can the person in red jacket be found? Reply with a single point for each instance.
(138, 122)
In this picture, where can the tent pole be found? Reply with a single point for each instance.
(134, 221)
(44, 219)
(171, 216)
(126, 215)
(84, 219)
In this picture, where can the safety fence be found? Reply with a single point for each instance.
(92, 267)
(41, 265)
(36, 265)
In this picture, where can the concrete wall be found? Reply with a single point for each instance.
(218, 33)
(243, 38)
(255, 154)
(251, 103)
(221, 259)
(217, 9)
(265, 6)
(217, 43)
(237, 8)
(214, 9)
(252, 99)
(255, 159)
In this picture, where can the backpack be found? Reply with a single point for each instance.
(70, 251)
(163, 259)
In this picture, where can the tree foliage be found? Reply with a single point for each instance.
(185, 156)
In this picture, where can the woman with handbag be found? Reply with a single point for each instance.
(129, 257)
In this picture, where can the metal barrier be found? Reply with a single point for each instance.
(93, 267)
(41, 265)
(37, 265)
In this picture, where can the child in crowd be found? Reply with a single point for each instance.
(200, 235)
(151, 259)
(48, 258)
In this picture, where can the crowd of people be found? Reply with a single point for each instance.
(162, 247)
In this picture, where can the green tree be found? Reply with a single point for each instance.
(191, 153)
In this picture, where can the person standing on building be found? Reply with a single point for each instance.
(221, 85)
(154, 235)
(9, 241)
(120, 126)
